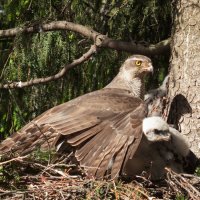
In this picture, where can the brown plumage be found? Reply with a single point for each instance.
(104, 127)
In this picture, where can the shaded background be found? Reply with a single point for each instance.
(38, 55)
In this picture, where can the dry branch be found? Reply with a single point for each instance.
(60, 74)
(55, 184)
(99, 39)
(182, 184)
(20, 158)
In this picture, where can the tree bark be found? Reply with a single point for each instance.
(184, 84)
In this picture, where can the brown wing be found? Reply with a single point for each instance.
(104, 126)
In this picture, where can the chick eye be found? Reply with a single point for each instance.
(138, 62)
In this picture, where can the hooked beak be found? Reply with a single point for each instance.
(149, 68)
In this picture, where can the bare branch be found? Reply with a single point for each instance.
(157, 49)
(178, 182)
(20, 159)
(51, 26)
(60, 74)
(99, 39)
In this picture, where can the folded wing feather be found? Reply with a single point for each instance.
(104, 127)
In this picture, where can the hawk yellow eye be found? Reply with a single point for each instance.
(138, 62)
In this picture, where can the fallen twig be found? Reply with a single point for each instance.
(178, 183)
(20, 159)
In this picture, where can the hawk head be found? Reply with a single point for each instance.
(131, 75)
(136, 66)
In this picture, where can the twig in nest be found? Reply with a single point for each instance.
(115, 191)
(51, 168)
(178, 182)
(20, 159)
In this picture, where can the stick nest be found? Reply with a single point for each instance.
(30, 178)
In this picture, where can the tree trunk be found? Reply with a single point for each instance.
(184, 84)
